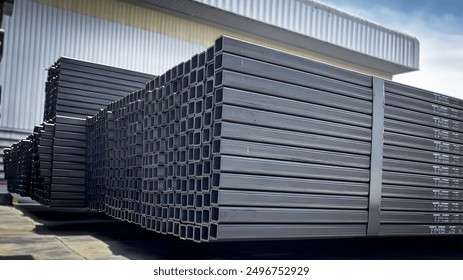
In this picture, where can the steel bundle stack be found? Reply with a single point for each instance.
(77, 89)
(18, 167)
(243, 142)
(74, 90)
(67, 186)
(100, 146)
(42, 156)
(291, 146)
(118, 159)
(423, 166)
(8, 165)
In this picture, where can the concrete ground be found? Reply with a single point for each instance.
(32, 231)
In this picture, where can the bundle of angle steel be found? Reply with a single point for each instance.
(422, 165)
(239, 143)
(74, 90)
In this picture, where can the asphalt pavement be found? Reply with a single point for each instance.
(31, 231)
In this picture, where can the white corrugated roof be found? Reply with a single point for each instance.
(309, 25)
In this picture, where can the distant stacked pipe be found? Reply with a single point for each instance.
(18, 167)
(74, 90)
(42, 157)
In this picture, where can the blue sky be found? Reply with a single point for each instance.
(438, 25)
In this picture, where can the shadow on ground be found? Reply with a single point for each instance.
(17, 257)
(133, 242)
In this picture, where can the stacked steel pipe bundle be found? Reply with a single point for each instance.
(74, 90)
(42, 156)
(67, 186)
(18, 167)
(243, 142)
(121, 166)
(78, 89)
(423, 166)
(243, 147)
(8, 166)
(100, 146)
(272, 130)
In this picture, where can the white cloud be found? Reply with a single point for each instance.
(441, 47)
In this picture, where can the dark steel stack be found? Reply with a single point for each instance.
(74, 90)
(67, 187)
(124, 182)
(100, 147)
(79, 89)
(18, 167)
(2, 38)
(244, 142)
(291, 146)
(170, 104)
(423, 167)
(41, 153)
(8, 165)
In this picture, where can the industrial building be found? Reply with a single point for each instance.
(152, 36)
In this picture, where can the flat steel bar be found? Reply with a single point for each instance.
(376, 159)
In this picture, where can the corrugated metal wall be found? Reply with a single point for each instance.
(328, 24)
(38, 34)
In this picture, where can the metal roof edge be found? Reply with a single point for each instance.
(357, 17)
(203, 12)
